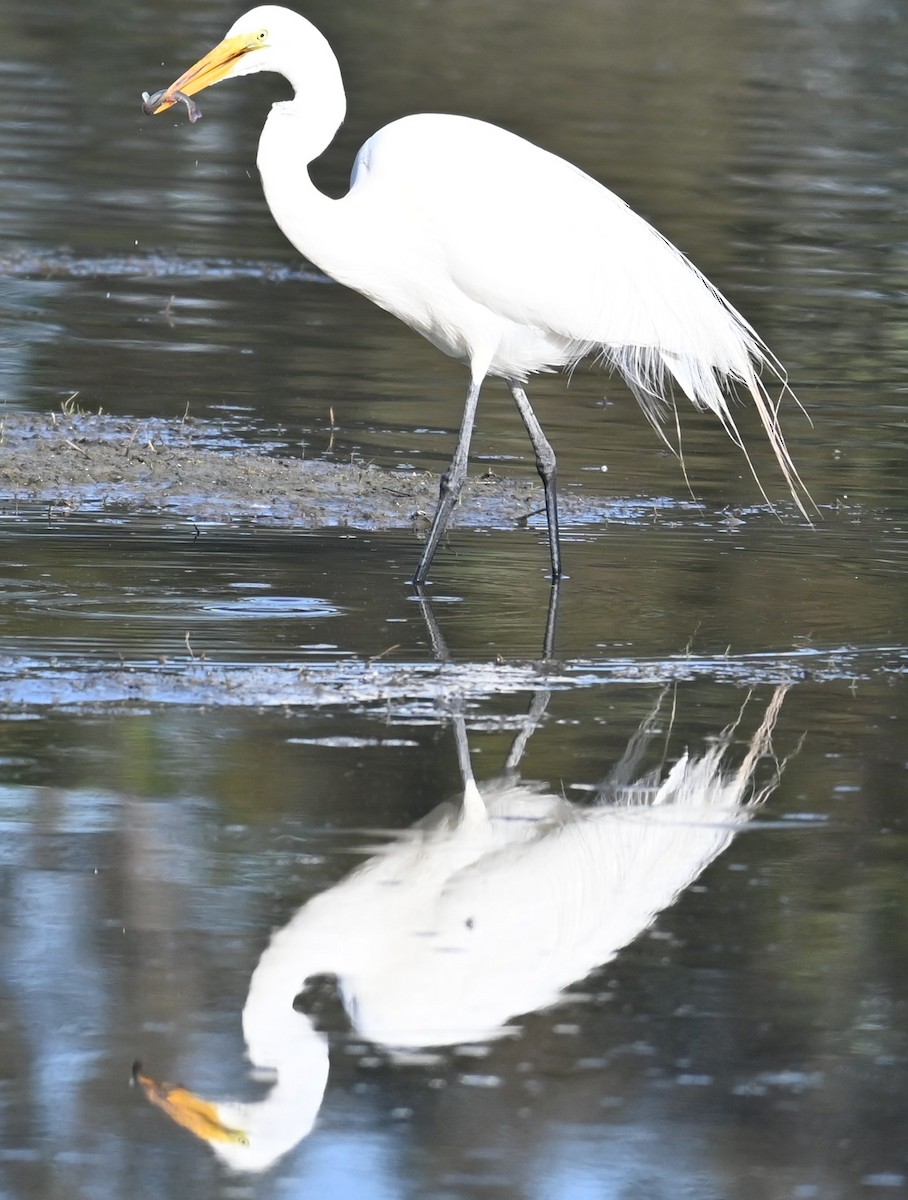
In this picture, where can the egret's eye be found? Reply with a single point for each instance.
(261, 35)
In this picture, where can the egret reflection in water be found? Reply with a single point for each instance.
(485, 910)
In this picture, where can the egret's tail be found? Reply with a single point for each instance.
(720, 354)
(648, 374)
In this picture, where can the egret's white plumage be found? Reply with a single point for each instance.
(501, 254)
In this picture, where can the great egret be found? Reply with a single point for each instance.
(501, 254)
(483, 911)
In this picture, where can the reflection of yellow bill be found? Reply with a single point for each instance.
(199, 1116)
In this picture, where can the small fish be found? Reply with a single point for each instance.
(150, 103)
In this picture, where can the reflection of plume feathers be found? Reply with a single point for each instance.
(541, 894)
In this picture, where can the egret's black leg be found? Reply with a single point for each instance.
(547, 468)
(451, 484)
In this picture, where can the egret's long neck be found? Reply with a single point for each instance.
(297, 132)
(318, 107)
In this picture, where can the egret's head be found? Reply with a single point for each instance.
(257, 41)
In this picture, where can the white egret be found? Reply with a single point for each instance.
(503, 255)
(483, 911)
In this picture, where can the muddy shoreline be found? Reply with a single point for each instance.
(198, 469)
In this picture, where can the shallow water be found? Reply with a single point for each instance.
(208, 722)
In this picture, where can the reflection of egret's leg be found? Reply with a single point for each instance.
(436, 637)
(474, 808)
(535, 713)
(551, 620)
(541, 697)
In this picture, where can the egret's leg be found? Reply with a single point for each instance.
(451, 483)
(547, 468)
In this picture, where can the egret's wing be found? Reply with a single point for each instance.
(536, 240)
(539, 242)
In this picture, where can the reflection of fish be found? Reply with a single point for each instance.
(481, 912)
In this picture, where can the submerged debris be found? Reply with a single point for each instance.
(151, 102)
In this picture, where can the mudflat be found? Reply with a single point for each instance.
(198, 468)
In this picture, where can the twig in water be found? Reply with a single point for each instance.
(389, 650)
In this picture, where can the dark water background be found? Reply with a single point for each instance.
(755, 1041)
